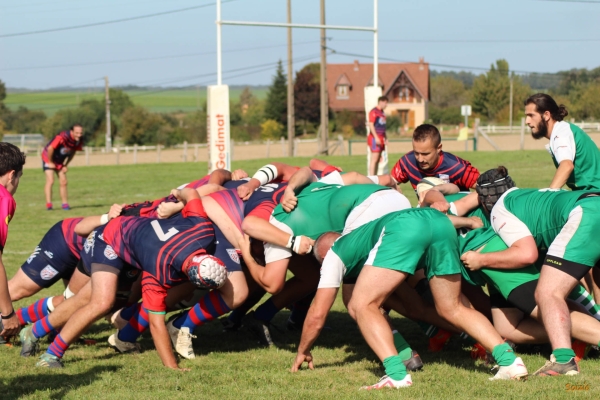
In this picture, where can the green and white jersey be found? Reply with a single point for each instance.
(569, 142)
(532, 212)
(402, 241)
(324, 207)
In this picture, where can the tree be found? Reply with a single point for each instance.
(491, 91)
(447, 91)
(276, 104)
(89, 114)
(141, 126)
(119, 102)
(307, 95)
(24, 120)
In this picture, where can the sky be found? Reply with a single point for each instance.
(179, 49)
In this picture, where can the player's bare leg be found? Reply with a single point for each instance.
(513, 325)
(447, 296)
(48, 186)
(372, 287)
(103, 292)
(62, 178)
(21, 286)
(550, 294)
(373, 165)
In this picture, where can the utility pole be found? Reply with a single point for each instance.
(510, 111)
(324, 105)
(107, 101)
(291, 120)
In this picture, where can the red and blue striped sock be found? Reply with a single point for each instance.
(209, 307)
(42, 327)
(127, 312)
(58, 347)
(34, 312)
(137, 324)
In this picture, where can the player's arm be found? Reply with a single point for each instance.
(564, 170)
(219, 176)
(262, 230)
(270, 277)
(301, 178)
(466, 204)
(521, 253)
(466, 222)
(264, 175)
(161, 339)
(88, 224)
(11, 325)
(385, 180)
(372, 129)
(355, 178)
(313, 325)
(50, 152)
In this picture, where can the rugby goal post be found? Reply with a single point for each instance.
(218, 125)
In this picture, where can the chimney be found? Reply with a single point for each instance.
(356, 65)
(421, 62)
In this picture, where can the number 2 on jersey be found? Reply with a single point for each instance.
(162, 235)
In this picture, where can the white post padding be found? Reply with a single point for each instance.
(218, 129)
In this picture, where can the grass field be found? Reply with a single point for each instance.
(158, 100)
(232, 365)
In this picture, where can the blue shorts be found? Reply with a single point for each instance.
(97, 251)
(373, 146)
(51, 260)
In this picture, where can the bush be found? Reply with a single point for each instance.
(271, 129)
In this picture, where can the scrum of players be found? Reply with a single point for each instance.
(215, 246)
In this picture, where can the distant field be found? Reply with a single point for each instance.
(155, 100)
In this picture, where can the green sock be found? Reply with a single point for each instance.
(394, 368)
(563, 355)
(503, 354)
(403, 348)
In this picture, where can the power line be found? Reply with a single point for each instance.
(463, 67)
(149, 58)
(114, 21)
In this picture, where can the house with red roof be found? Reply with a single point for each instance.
(406, 85)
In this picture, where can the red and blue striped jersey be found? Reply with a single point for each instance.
(157, 245)
(377, 117)
(64, 145)
(458, 171)
(73, 240)
(264, 200)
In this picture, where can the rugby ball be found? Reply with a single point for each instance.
(428, 183)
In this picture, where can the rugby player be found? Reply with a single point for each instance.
(372, 254)
(11, 168)
(428, 159)
(574, 153)
(57, 154)
(54, 258)
(521, 218)
(141, 242)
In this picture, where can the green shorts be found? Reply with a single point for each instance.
(573, 250)
(419, 239)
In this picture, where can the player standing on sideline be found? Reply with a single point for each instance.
(376, 138)
(11, 168)
(57, 154)
(575, 155)
(428, 159)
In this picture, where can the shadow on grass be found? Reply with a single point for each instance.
(340, 332)
(58, 384)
